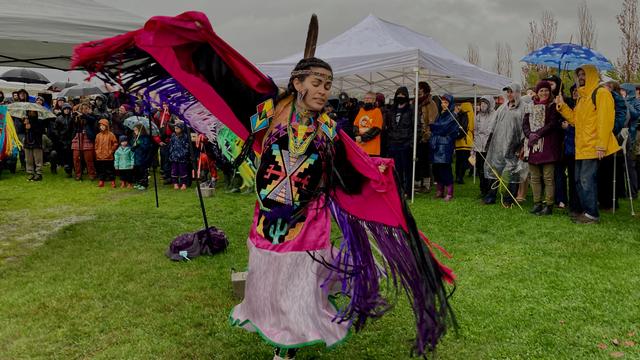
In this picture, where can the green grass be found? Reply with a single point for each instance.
(83, 275)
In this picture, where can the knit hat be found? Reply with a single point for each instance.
(123, 138)
(543, 84)
(66, 106)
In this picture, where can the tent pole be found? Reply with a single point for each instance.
(475, 111)
(415, 134)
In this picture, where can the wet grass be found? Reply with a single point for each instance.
(97, 284)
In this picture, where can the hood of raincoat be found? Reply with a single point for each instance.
(450, 99)
(630, 89)
(517, 93)
(489, 100)
(591, 81)
(104, 122)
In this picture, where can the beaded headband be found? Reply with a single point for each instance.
(311, 72)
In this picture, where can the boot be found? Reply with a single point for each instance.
(101, 183)
(449, 195)
(439, 191)
(183, 187)
(536, 208)
(176, 186)
(129, 185)
(546, 210)
(113, 184)
(427, 184)
(122, 184)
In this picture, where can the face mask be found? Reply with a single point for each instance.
(401, 100)
(368, 106)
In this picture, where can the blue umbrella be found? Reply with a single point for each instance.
(567, 57)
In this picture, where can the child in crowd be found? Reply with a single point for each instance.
(179, 157)
(142, 157)
(105, 145)
(123, 162)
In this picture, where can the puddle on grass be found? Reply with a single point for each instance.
(22, 232)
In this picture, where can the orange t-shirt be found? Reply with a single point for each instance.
(365, 120)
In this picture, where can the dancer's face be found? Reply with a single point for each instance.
(316, 88)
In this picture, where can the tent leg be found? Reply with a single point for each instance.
(415, 135)
(475, 107)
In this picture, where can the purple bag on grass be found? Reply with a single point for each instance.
(204, 242)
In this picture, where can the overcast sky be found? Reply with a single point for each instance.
(271, 29)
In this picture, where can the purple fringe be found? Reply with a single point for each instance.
(355, 266)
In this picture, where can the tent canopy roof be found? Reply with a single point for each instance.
(380, 56)
(34, 34)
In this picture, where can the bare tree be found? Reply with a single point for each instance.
(504, 59)
(508, 60)
(540, 34)
(586, 26)
(473, 54)
(629, 60)
(533, 39)
(498, 67)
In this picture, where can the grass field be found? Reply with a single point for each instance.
(83, 275)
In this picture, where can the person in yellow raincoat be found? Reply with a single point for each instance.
(464, 144)
(593, 118)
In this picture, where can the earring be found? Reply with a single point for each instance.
(301, 95)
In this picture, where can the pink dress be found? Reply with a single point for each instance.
(287, 299)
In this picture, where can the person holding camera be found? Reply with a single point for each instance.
(84, 130)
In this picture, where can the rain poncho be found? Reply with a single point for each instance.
(484, 124)
(506, 140)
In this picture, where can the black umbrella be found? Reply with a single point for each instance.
(25, 76)
(60, 85)
(84, 89)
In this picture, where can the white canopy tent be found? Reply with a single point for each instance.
(39, 34)
(376, 55)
